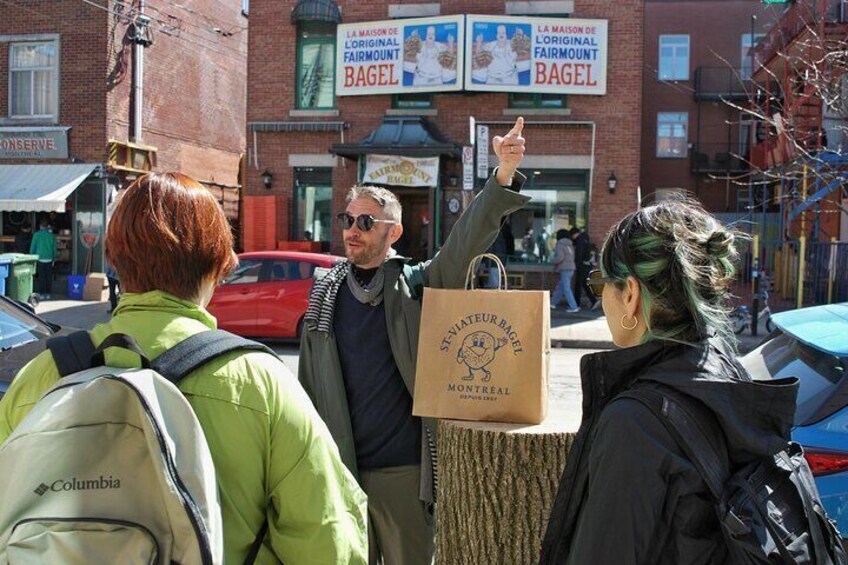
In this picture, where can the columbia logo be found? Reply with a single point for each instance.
(42, 488)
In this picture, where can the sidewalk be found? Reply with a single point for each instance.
(586, 329)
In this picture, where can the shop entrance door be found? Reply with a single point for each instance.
(417, 239)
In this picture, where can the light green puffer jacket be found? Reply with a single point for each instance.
(271, 450)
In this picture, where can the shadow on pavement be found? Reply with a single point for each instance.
(82, 315)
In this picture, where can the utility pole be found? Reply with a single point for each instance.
(140, 36)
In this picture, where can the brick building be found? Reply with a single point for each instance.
(318, 123)
(695, 133)
(100, 91)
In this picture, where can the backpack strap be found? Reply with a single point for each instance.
(71, 353)
(675, 415)
(257, 544)
(192, 353)
(821, 548)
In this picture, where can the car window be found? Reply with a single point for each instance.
(247, 272)
(289, 270)
(783, 356)
(18, 328)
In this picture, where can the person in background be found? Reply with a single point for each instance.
(563, 261)
(498, 248)
(23, 239)
(583, 264)
(542, 244)
(112, 278)
(275, 461)
(44, 245)
(629, 494)
(528, 244)
(360, 343)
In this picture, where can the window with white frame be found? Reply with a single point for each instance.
(672, 136)
(747, 41)
(674, 57)
(34, 79)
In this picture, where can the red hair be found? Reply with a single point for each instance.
(169, 233)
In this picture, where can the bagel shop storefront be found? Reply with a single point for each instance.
(408, 156)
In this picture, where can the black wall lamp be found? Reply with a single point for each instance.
(612, 182)
(453, 180)
(267, 177)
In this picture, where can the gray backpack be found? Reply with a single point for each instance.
(111, 465)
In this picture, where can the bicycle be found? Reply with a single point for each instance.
(741, 317)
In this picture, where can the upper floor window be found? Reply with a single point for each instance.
(672, 138)
(34, 79)
(674, 57)
(316, 65)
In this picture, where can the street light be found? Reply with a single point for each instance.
(612, 182)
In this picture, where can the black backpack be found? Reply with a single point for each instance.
(769, 510)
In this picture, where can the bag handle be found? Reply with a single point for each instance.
(472, 268)
(123, 341)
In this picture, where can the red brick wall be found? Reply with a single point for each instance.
(194, 86)
(82, 90)
(271, 80)
(715, 29)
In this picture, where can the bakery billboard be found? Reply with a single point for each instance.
(539, 55)
(400, 56)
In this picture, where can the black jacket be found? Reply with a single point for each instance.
(628, 494)
(582, 251)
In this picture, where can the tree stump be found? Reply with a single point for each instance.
(496, 487)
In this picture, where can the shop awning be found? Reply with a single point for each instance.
(407, 136)
(40, 188)
(316, 11)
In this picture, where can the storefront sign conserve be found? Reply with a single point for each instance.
(400, 56)
(33, 143)
(401, 171)
(539, 55)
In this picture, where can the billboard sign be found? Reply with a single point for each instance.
(539, 55)
(400, 56)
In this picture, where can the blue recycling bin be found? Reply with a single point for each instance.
(4, 272)
(76, 285)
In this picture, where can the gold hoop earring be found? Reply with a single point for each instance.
(630, 328)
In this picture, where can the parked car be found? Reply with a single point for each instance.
(267, 294)
(812, 344)
(22, 337)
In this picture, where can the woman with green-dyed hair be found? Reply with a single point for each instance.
(629, 494)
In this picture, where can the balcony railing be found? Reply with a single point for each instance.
(716, 83)
(803, 14)
(717, 158)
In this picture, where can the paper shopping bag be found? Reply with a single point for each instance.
(483, 355)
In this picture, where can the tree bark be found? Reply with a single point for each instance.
(496, 487)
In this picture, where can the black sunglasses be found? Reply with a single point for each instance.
(596, 281)
(363, 221)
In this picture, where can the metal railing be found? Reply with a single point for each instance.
(717, 158)
(717, 83)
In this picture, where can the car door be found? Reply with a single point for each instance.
(234, 303)
(283, 296)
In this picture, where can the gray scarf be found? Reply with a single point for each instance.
(372, 293)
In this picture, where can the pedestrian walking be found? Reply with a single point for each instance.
(564, 265)
(359, 348)
(629, 493)
(583, 264)
(114, 284)
(542, 244)
(275, 462)
(44, 246)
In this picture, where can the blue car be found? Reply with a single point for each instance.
(812, 344)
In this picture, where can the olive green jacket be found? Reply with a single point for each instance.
(273, 456)
(320, 370)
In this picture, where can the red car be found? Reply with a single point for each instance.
(267, 294)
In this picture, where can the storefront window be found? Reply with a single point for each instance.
(316, 63)
(313, 206)
(89, 227)
(531, 100)
(559, 201)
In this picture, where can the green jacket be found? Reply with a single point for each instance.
(44, 245)
(320, 370)
(270, 448)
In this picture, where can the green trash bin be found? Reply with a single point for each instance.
(21, 275)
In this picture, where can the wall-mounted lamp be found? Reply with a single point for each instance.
(612, 182)
(453, 180)
(267, 177)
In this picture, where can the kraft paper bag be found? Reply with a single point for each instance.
(483, 354)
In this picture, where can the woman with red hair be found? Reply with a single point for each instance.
(170, 243)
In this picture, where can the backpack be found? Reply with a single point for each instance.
(111, 465)
(769, 510)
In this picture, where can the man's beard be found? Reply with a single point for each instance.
(368, 252)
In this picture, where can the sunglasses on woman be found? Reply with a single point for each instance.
(596, 281)
(363, 221)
